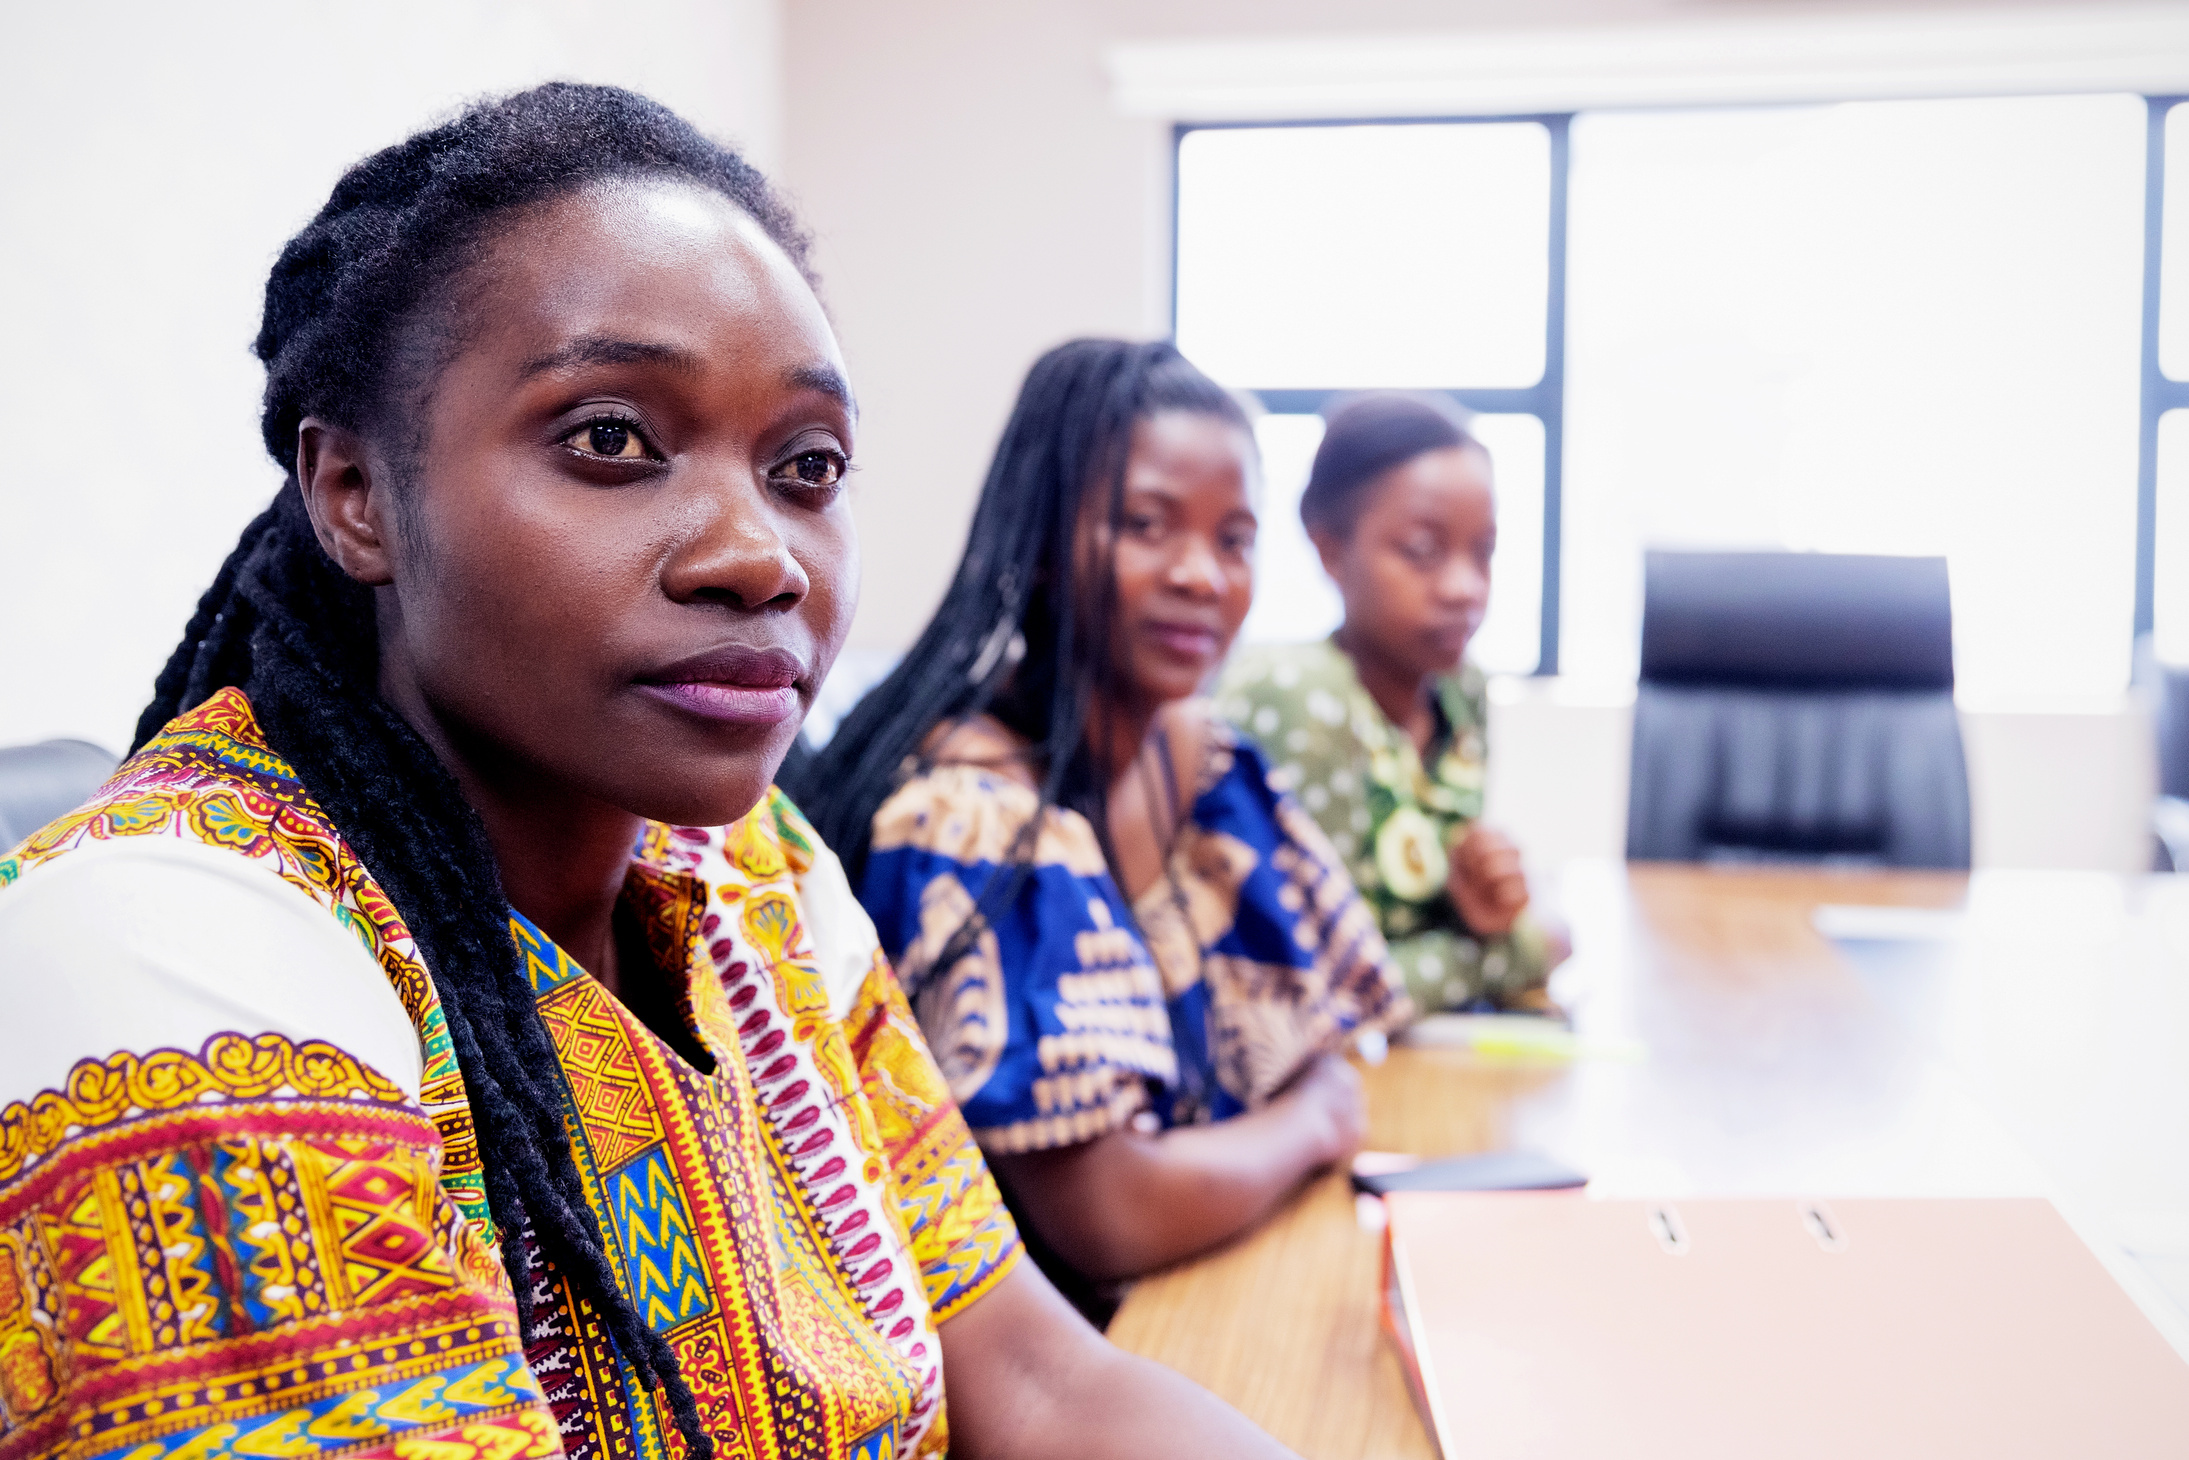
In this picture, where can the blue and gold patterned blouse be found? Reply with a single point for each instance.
(1074, 1011)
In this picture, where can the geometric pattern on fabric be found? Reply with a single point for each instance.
(948, 1200)
(795, 1220)
(245, 1250)
(686, 1223)
(209, 777)
(269, 1250)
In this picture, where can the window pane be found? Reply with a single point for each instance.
(1906, 327)
(1325, 257)
(2174, 250)
(1294, 600)
(2170, 605)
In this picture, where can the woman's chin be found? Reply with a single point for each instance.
(1444, 653)
(716, 798)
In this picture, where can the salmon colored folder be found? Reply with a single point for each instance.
(1544, 1325)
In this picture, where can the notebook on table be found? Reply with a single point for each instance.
(1546, 1325)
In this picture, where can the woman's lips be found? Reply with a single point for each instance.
(735, 685)
(1187, 641)
(728, 704)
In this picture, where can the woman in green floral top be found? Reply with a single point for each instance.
(1380, 730)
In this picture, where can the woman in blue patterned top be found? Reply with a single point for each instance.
(1135, 959)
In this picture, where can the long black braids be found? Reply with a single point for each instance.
(358, 313)
(1024, 632)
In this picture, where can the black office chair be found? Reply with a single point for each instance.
(39, 782)
(2165, 691)
(1797, 707)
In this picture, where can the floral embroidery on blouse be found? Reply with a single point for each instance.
(1394, 815)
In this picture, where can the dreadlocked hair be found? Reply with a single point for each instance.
(1024, 632)
(356, 308)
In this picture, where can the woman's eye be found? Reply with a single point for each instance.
(607, 438)
(814, 468)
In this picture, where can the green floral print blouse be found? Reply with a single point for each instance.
(1394, 819)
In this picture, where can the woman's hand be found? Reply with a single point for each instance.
(1329, 1092)
(1132, 1201)
(1487, 883)
(1027, 1378)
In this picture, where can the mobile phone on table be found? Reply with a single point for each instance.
(1489, 1171)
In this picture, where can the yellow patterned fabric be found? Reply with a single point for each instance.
(263, 1246)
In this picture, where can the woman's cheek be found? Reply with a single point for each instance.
(1240, 597)
(1136, 573)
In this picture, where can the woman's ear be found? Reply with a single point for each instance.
(348, 498)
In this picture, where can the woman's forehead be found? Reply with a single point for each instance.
(654, 259)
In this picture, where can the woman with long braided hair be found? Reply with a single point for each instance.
(1137, 959)
(439, 1039)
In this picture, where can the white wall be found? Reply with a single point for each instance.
(157, 157)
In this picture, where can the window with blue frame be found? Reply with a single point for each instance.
(2166, 382)
(1899, 327)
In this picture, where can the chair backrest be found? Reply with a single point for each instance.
(39, 782)
(1797, 707)
(2166, 690)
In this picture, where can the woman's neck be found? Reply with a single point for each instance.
(562, 854)
(1117, 730)
(1142, 810)
(1405, 695)
(563, 866)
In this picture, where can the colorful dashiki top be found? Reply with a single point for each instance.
(1072, 1012)
(1394, 816)
(241, 1200)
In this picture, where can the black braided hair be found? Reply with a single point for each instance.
(356, 310)
(1017, 635)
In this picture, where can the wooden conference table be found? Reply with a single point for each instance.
(2010, 1033)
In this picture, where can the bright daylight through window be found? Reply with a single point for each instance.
(1353, 257)
(1882, 327)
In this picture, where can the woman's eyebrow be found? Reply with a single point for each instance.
(603, 350)
(826, 379)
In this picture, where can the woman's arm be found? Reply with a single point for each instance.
(1129, 1202)
(1028, 1378)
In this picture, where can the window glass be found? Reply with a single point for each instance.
(1906, 327)
(2174, 250)
(1325, 257)
(2170, 603)
(1294, 599)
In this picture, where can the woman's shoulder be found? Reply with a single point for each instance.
(1275, 673)
(975, 807)
(1465, 696)
(983, 742)
(182, 907)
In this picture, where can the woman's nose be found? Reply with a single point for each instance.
(733, 549)
(1463, 581)
(1196, 568)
